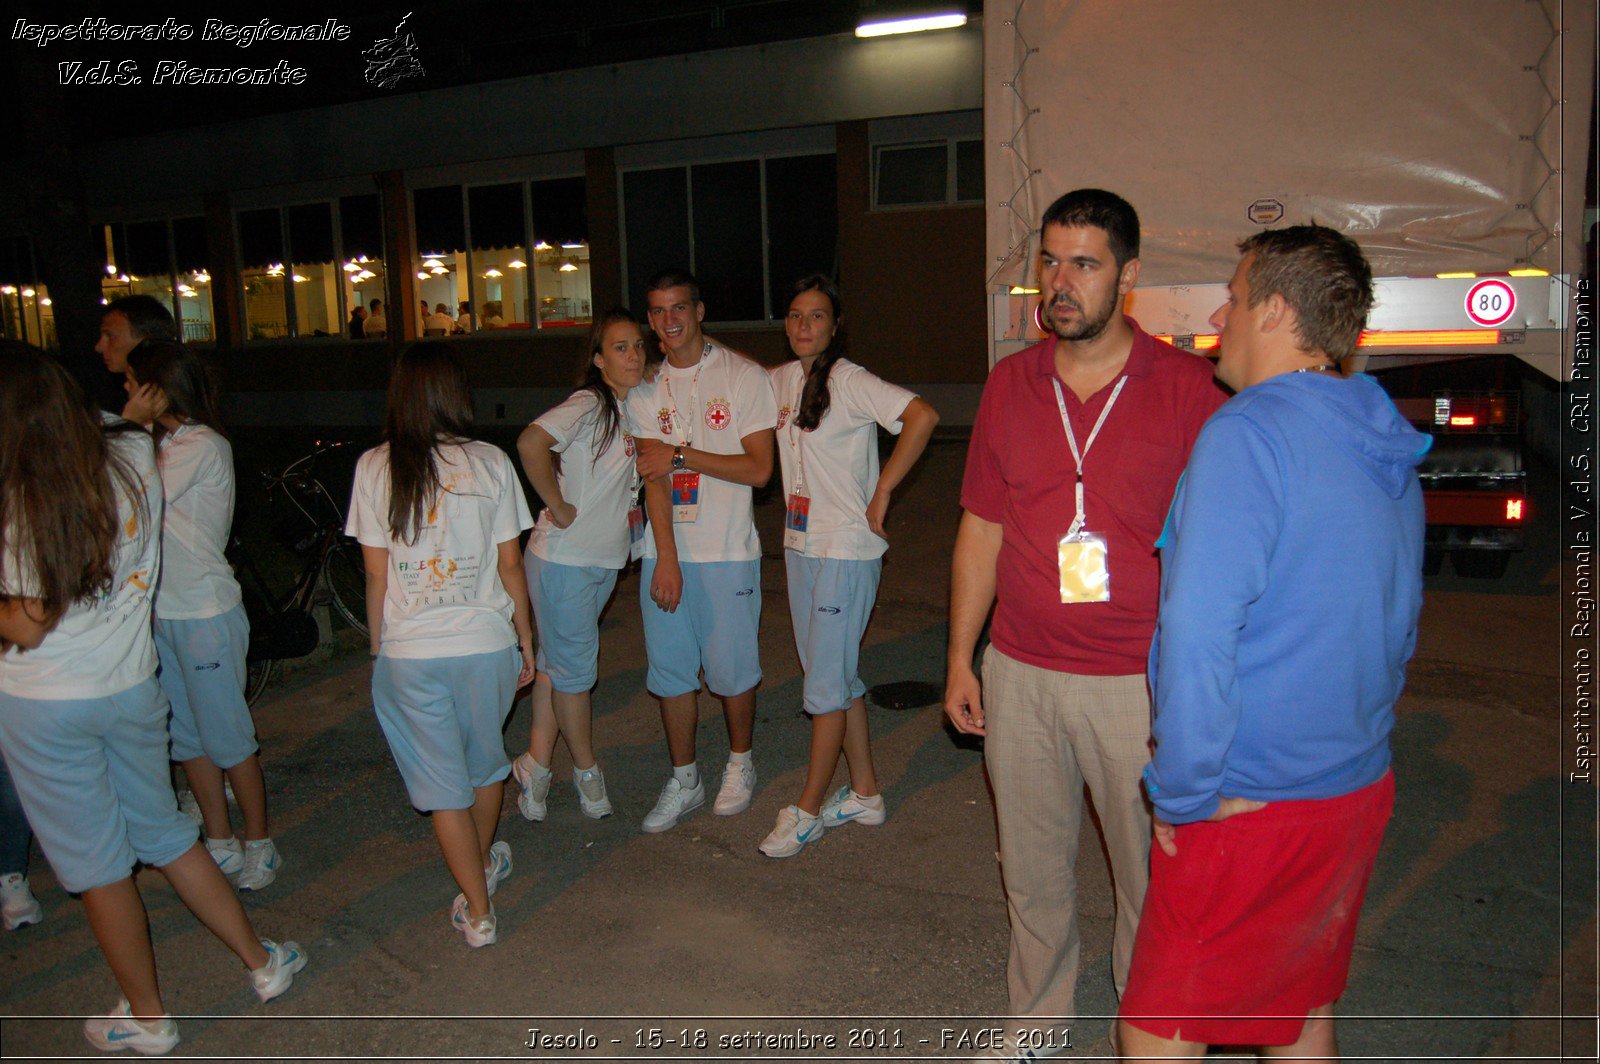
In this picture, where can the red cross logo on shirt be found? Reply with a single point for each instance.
(718, 414)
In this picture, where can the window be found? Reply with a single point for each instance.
(747, 229)
(361, 234)
(561, 250)
(925, 174)
(312, 270)
(25, 312)
(166, 259)
(498, 217)
(266, 311)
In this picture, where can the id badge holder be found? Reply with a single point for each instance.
(795, 517)
(685, 497)
(1084, 574)
(635, 532)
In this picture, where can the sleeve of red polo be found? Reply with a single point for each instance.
(983, 484)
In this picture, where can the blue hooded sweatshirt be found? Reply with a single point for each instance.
(1291, 585)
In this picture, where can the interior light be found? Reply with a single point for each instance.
(351, 267)
(517, 264)
(1455, 276)
(202, 278)
(185, 288)
(541, 246)
(122, 277)
(492, 272)
(572, 247)
(28, 293)
(910, 25)
(1530, 272)
(187, 295)
(438, 271)
(8, 290)
(362, 258)
(1513, 509)
(366, 275)
(1463, 421)
(110, 269)
(298, 278)
(432, 264)
(104, 301)
(567, 267)
(46, 302)
(1019, 290)
(422, 275)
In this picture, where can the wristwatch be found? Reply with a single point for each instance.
(677, 458)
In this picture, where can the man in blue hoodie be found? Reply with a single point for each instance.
(1290, 591)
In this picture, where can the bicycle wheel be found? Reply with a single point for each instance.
(256, 675)
(346, 580)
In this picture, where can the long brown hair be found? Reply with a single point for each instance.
(59, 484)
(429, 403)
(814, 400)
(592, 380)
(187, 379)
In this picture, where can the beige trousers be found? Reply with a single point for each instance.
(1049, 733)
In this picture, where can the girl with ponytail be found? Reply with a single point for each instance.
(829, 411)
(579, 457)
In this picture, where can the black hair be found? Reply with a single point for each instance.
(814, 399)
(592, 380)
(148, 318)
(1103, 210)
(675, 277)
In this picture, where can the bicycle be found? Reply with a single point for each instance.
(284, 627)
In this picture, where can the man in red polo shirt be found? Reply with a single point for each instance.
(1076, 451)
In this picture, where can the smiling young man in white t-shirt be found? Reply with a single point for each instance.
(704, 431)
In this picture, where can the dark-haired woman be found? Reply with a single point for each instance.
(202, 634)
(439, 515)
(83, 723)
(829, 410)
(581, 542)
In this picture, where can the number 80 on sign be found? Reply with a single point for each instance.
(1491, 302)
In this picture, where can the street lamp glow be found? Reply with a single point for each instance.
(910, 25)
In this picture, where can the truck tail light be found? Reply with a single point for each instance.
(1492, 412)
(1513, 509)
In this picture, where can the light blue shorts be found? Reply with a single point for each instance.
(93, 777)
(202, 672)
(713, 628)
(567, 600)
(830, 600)
(443, 718)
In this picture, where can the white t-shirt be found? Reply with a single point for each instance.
(439, 320)
(377, 325)
(710, 406)
(602, 488)
(102, 646)
(196, 466)
(839, 456)
(445, 598)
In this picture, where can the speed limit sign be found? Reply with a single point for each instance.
(1491, 302)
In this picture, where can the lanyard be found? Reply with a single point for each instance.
(686, 425)
(1072, 442)
(797, 438)
(634, 480)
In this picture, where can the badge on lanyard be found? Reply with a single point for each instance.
(795, 517)
(1083, 556)
(685, 497)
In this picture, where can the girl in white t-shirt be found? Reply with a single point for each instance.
(581, 542)
(829, 410)
(202, 634)
(439, 515)
(83, 723)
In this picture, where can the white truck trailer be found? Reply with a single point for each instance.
(1450, 138)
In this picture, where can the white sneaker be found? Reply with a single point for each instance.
(118, 1030)
(848, 807)
(499, 865)
(535, 787)
(738, 787)
(479, 932)
(795, 830)
(17, 903)
(592, 798)
(675, 803)
(228, 854)
(284, 959)
(261, 864)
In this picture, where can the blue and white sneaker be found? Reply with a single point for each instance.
(260, 864)
(795, 830)
(277, 975)
(499, 865)
(118, 1030)
(848, 807)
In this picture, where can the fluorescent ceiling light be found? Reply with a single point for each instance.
(910, 25)
(572, 247)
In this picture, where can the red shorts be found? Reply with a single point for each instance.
(1251, 925)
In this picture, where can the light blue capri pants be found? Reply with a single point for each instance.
(203, 674)
(93, 778)
(714, 627)
(567, 600)
(830, 602)
(443, 718)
